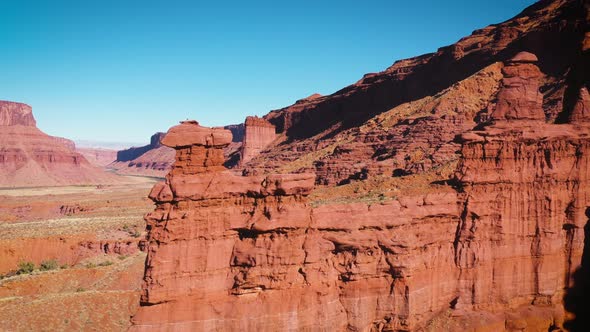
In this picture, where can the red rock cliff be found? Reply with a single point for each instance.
(494, 248)
(258, 134)
(29, 157)
(12, 114)
(403, 120)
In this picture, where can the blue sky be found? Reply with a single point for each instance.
(121, 70)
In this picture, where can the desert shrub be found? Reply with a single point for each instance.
(48, 265)
(90, 265)
(80, 289)
(136, 234)
(122, 257)
(105, 263)
(25, 267)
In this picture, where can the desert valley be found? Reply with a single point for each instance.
(448, 192)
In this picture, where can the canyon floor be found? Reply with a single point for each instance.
(83, 242)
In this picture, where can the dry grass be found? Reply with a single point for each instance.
(381, 188)
(32, 212)
(80, 298)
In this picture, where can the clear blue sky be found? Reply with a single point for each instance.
(122, 70)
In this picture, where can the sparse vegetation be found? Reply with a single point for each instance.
(105, 263)
(378, 189)
(90, 265)
(48, 265)
(25, 267)
(122, 257)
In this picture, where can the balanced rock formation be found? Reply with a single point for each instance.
(29, 157)
(156, 159)
(258, 134)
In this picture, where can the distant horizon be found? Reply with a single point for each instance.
(119, 72)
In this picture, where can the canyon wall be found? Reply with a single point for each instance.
(403, 120)
(153, 159)
(493, 247)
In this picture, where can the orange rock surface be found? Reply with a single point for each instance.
(258, 134)
(495, 245)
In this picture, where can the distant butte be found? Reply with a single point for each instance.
(29, 157)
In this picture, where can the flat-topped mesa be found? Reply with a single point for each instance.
(12, 114)
(258, 134)
(519, 97)
(198, 149)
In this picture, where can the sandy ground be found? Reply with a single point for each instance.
(92, 289)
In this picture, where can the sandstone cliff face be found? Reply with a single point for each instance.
(524, 184)
(258, 134)
(29, 157)
(396, 120)
(493, 248)
(12, 114)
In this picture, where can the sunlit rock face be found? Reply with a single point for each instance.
(29, 157)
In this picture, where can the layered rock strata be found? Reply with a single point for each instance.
(337, 137)
(258, 134)
(29, 157)
(153, 159)
(495, 247)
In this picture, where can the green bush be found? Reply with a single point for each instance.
(48, 265)
(25, 267)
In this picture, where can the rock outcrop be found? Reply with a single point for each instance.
(156, 159)
(12, 114)
(494, 246)
(230, 252)
(29, 157)
(404, 118)
(258, 134)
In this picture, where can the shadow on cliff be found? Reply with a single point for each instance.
(577, 298)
